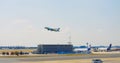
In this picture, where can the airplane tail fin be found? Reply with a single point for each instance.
(45, 27)
(89, 47)
(58, 29)
(109, 48)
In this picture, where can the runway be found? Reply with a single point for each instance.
(52, 58)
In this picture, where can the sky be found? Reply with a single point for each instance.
(96, 22)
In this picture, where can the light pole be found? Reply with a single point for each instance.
(87, 44)
(69, 37)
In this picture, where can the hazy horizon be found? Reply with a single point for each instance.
(96, 22)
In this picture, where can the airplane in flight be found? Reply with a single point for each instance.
(53, 29)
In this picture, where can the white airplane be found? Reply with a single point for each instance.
(86, 49)
(106, 49)
(52, 29)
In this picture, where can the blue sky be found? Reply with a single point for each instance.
(93, 21)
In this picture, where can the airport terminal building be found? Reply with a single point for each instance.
(57, 49)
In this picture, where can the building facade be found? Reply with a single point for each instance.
(48, 48)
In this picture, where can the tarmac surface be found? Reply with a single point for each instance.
(53, 58)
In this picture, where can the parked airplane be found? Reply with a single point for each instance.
(105, 48)
(83, 49)
(52, 29)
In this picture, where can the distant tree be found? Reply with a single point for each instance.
(26, 53)
(12, 53)
(3, 53)
(7, 53)
(21, 53)
(16, 53)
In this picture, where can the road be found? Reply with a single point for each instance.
(52, 58)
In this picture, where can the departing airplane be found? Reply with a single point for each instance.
(52, 29)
